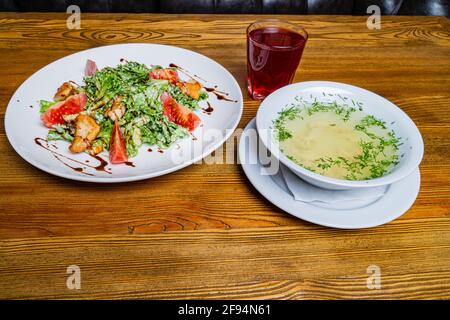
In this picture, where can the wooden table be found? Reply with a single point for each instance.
(205, 232)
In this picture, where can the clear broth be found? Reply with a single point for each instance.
(327, 144)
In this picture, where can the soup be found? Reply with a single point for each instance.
(336, 141)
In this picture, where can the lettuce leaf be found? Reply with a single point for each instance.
(45, 105)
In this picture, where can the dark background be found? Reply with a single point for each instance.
(355, 7)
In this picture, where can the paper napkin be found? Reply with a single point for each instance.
(303, 191)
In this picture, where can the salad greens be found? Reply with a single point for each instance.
(44, 105)
(143, 121)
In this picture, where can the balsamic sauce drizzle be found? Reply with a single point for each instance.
(100, 167)
(192, 76)
(208, 110)
(77, 169)
(219, 94)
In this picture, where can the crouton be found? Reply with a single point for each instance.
(95, 149)
(117, 109)
(191, 88)
(64, 91)
(86, 130)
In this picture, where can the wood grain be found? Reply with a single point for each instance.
(218, 238)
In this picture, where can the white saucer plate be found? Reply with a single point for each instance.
(398, 198)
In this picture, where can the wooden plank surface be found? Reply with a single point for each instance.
(219, 238)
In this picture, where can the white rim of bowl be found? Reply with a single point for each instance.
(400, 173)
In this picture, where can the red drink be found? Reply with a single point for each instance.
(274, 49)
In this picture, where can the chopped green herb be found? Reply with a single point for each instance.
(373, 161)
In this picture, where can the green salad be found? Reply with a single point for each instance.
(146, 105)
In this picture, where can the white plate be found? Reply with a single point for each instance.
(398, 199)
(411, 149)
(22, 123)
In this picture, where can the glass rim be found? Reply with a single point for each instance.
(265, 46)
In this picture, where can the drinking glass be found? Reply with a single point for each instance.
(274, 50)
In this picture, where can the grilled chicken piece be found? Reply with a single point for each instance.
(191, 88)
(95, 149)
(85, 132)
(117, 109)
(78, 145)
(64, 91)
